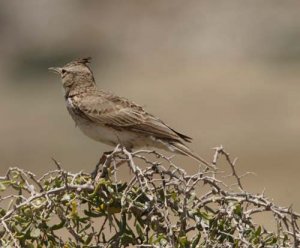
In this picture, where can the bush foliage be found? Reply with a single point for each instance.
(160, 206)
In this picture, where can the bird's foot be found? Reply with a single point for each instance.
(98, 172)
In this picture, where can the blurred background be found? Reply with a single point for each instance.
(223, 72)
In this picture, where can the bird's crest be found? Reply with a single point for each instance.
(84, 61)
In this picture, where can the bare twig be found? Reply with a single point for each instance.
(161, 205)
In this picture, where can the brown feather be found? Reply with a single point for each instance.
(120, 113)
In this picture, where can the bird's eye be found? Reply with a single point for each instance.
(63, 71)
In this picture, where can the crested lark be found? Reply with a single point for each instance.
(115, 120)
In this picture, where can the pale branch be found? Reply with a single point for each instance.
(160, 206)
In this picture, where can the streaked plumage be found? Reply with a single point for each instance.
(114, 120)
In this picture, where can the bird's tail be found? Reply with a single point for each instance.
(184, 150)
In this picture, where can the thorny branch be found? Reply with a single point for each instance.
(161, 205)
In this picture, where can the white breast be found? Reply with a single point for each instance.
(108, 135)
(105, 134)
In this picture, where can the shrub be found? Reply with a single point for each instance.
(160, 206)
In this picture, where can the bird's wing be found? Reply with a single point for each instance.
(120, 113)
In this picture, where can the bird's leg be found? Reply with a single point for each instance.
(97, 171)
(100, 162)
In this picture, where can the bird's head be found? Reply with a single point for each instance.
(77, 72)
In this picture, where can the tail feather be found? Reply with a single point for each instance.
(184, 150)
(182, 136)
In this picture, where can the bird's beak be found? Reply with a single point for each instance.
(55, 69)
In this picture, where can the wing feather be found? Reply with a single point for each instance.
(119, 113)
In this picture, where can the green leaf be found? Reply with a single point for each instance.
(2, 212)
(30, 245)
(66, 197)
(58, 226)
(110, 189)
(196, 240)
(35, 233)
(89, 238)
(238, 210)
(2, 187)
(93, 214)
(127, 239)
(139, 231)
(183, 241)
(258, 231)
(161, 237)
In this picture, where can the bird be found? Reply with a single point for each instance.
(114, 120)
